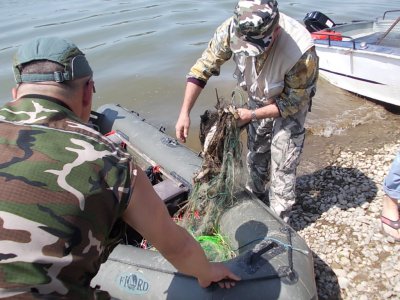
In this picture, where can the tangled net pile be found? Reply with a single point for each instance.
(219, 177)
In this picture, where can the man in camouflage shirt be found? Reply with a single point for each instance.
(64, 187)
(277, 66)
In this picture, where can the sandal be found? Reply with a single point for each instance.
(392, 224)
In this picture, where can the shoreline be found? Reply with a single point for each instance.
(339, 201)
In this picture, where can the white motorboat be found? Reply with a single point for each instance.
(362, 57)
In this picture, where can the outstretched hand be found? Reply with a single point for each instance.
(221, 275)
(182, 128)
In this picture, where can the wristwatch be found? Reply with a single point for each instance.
(253, 116)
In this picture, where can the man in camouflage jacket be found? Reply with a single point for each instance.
(64, 187)
(277, 66)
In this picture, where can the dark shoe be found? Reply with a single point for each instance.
(392, 224)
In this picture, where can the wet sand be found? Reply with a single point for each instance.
(320, 151)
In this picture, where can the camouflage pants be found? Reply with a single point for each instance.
(274, 148)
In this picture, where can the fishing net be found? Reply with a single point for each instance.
(218, 179)
(215, 247)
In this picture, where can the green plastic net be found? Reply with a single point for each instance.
(216, 247)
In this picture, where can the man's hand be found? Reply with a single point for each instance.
(244, 116)
(220, 274)
(182, 127)
(192, 92)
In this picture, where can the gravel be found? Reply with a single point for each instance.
(337, 213)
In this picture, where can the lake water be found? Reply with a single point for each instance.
(141, 50)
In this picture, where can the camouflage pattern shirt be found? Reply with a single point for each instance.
(63, 187)
(300, 81)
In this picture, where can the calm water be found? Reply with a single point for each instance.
(141, 51)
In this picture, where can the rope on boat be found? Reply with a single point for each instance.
(286, 246)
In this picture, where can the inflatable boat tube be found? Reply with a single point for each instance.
(273, 261)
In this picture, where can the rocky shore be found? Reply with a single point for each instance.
(339, 201)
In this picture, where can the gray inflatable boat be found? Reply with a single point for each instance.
(273, 261)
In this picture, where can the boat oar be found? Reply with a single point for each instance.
(389, 29)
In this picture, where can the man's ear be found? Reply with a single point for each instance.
(14, 92)
(88, 94)
(87, 101)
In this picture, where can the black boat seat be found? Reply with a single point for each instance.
(172, 194)
(168, 189)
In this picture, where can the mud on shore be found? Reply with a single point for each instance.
(319, 151)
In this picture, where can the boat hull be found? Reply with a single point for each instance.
(362, 57)
(273, 261)
(365, 73)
